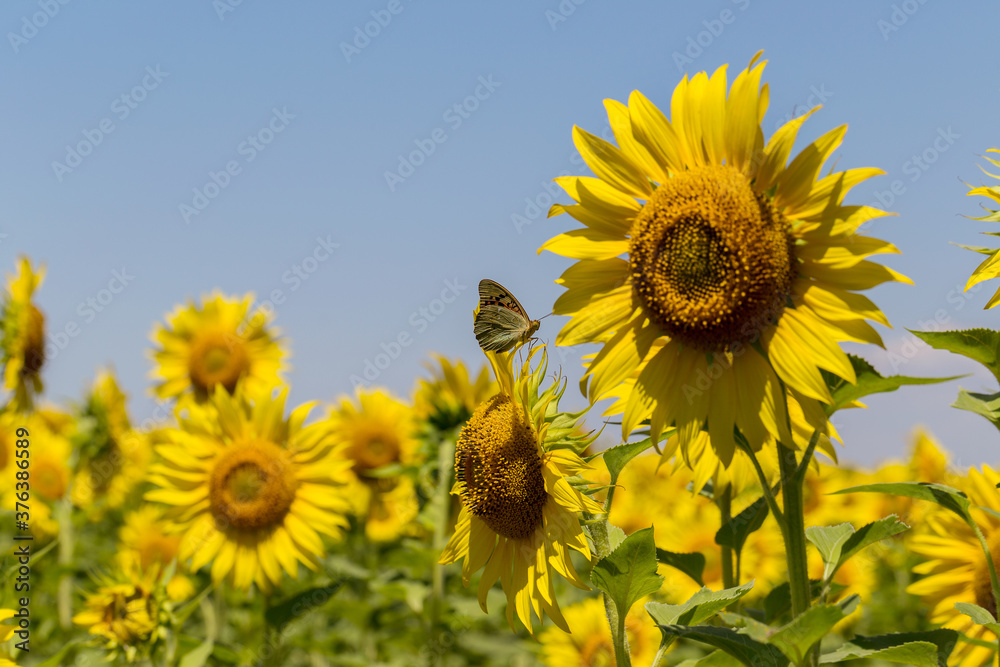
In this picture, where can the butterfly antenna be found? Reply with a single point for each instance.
(544, 316)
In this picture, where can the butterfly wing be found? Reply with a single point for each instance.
(501, 322)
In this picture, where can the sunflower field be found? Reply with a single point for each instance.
(685, 503)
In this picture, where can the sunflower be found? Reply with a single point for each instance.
(954, 567)
(377, 429)
(741, 267)
(251, 490)
(113, 457)
(128, 611)
(519, 514)
(990, 267)
(448, 399)
(392, 510)
(23, 336)
(590, 644)
(217, 343)
(155, 542)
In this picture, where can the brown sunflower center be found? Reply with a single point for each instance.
(158, 548)
(34, 342)
(252, 485)
(49, 478)
(373, 450)
(710, 259)
(500, 470)
(217, 358)
(982, 586)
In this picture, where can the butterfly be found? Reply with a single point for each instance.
(501, 322)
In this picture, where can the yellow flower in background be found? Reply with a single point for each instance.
(449, 398)
(156, 542)
(392, 509)
(252, 491)
(113, 458)
(954, 567)
(742, 265)
(127, 610)
(377, 429)
(519, 517)
(217, 343)
(7, 631)
(23, 336)
(590, 643)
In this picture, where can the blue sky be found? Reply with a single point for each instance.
(246, 147)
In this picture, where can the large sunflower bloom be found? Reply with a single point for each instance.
(519, 514)
(740, 266)
(990, 267)
(954, 567)
(22, 342)
(251, 490)
(219, 343)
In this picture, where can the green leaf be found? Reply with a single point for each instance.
(830, 541)
(713, 659)
(700, 607)
(797, 637)
(691, 564)
(869, 381)
(920, 649)
(198, 656)
(779, 601)
(616, 457)
(629, 572)
(976, 344)
(870, 534)
(282, 613)
(57, 659)
(985, 405)
(939, 494)
(734, 533)
(748, 651)
(979, 615)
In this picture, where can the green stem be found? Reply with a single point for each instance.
(725, 502)
(991, 566)
(765, 485)
(64, 516)
(602, 545)
(442, 498)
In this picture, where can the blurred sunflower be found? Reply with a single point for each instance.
(251, 490)
(217, 343)
(519, 514)
(378, 432)
(156, 543)
(112, 457)
(128, 611)
(448, 399)
(22, 341)
(743, 267)
(590, 644)
(954, 567)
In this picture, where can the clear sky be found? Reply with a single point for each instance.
(232, 144)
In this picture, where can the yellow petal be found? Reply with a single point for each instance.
(610, 164)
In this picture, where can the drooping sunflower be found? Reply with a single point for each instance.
(954, 567)
(112, 456)
(519, 514)
(725, 274)
(448, 399)
(252, 491)
(129, 610)
(590, 644)
(23, 336)
(217, 343)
